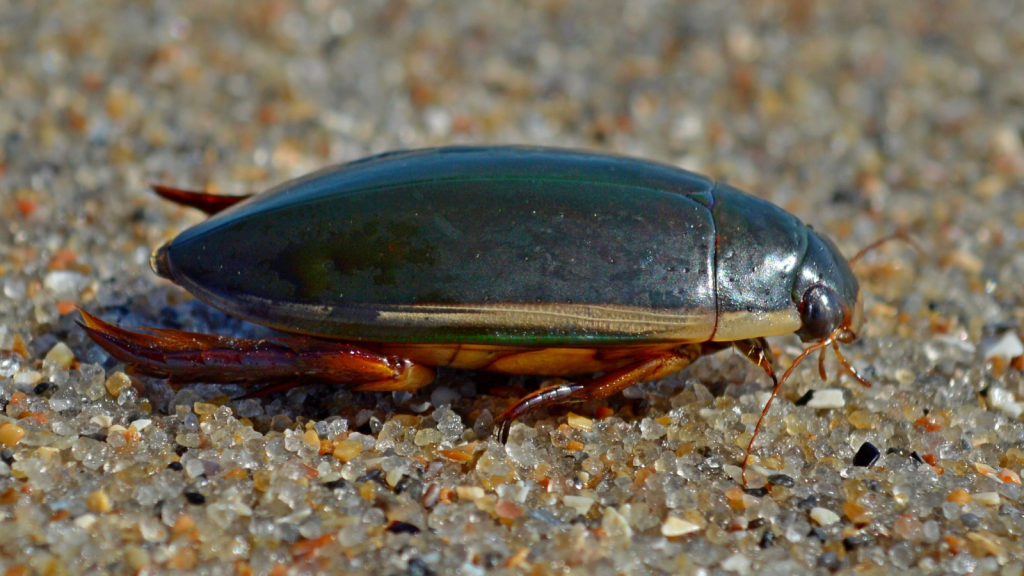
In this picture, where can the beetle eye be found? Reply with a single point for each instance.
(821, 312)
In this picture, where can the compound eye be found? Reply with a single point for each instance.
(821, 313)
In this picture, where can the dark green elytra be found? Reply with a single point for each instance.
(500, 245)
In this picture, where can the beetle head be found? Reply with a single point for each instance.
(827, 294)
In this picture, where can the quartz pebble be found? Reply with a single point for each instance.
(651, 429)
(99, 502)
(580, 504)
(737, 563)
(580, 422)
(141, 424)
(28, 378)
(1007, 346)
(827, 398)
(86, 521)
(469, 492)
(823, 516)
(102, 420)
(507, 510)
(347, 450)
(61, 355)
(1005, 401)
(117, 382)
(11, 435)
(987, 498)
(674, 526)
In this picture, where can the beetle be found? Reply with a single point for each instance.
(510, 259)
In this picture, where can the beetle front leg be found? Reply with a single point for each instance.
(186, 357)
(654, 367)
(759, 352)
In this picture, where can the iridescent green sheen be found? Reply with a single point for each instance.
(425, 230)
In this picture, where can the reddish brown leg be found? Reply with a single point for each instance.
(759, 352)
(775, 392)
(209, 203)
(185, 357)
(562, 393)
(849, 367)
(654, 367)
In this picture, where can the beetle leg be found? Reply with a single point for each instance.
(849, 368)
(775, 392)
(653, 367)
(185, 357)
(560, 393)
(759, 352)
(209, 203)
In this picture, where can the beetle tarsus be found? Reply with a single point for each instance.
(209, 203)
(187, 357)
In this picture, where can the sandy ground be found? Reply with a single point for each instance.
(860, 118)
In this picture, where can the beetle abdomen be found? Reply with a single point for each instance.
(490, 245)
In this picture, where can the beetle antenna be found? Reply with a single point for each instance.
(775, 392)
(848, 367)
(900, 235)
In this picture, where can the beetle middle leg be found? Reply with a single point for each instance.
(652, 367)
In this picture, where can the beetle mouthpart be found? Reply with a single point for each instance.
(160, 262)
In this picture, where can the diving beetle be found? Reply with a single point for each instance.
(518, 260)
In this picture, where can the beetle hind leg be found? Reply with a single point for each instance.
(188, 357)
(653, 367)
(209, 203)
